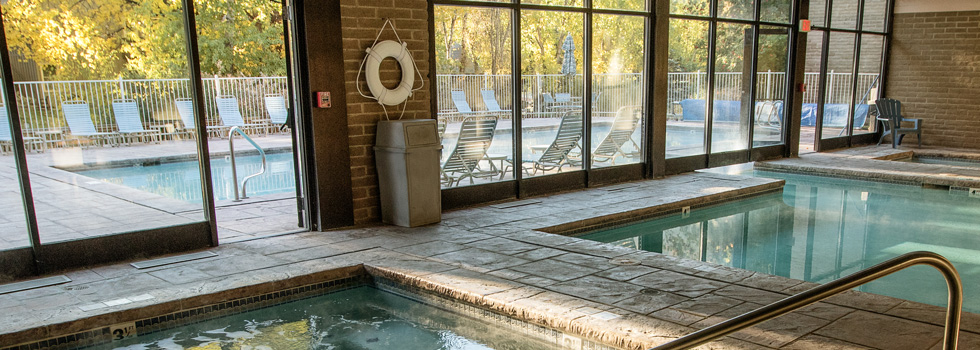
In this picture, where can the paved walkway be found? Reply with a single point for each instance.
(71, 206)
(497, 257)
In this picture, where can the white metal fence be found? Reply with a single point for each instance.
(40, 102)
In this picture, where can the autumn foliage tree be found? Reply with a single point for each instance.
(109, 39)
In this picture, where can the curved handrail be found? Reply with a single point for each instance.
(954, 304)
(234, 170)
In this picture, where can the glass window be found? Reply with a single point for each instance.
(811, 79)
(818, 12)
(617, 90)
(687, 87)
(474, 93)
(771, 78)
(690, 7)
(553, 91)
(105, 111)
(242, 51)
(840, 66)
(778, 11)
(868, 82)
(732, 112)
(570, 3)
(638, 5)
(13, 230)
(875, 12)
(844, 14)
(737, 9)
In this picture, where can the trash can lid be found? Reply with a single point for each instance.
(407, 133)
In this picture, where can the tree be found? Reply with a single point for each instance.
(107, 39)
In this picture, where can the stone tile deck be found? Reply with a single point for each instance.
(71, 206)
(494, 257)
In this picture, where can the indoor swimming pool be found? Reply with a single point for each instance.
(819, 229)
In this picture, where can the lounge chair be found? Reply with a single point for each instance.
(555, 156)
(6, 136)
(490, 100)
(275, 104)
(621, 133)
(475, 136)
(231, 116)
(80, 124)
(890, 116)
(185, 108)
(127, 115)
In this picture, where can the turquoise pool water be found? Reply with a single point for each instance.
(362, 318)
(182, 180)
(820, 229)
(973, 163)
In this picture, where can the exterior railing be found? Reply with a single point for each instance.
(40, 102)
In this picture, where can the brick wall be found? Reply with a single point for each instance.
(934, 69)
(361, 20)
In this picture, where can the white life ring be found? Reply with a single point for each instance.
(378, 53)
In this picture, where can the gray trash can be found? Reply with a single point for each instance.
(407, 154)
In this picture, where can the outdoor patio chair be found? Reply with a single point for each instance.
(490, 100)
(621, 133)
(275, 104)
(891, 119)
(185, 108)
(79, 119)
(232, 116)
(7, 140)
(555, 156)
(127, 115)
(475, 136)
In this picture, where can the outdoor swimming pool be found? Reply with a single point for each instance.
(182, 180)
(359, 318)
(820, 229)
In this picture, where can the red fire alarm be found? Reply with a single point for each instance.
(805, 25)
(801, 87)
(323, 99)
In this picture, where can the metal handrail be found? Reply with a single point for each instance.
(954, 304)
(234, 170)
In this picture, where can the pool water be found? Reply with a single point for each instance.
(820, 229)
(182, 180)
(972, 163)
(362, 318)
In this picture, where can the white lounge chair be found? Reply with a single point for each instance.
(490, 100)
(621, 133)
(6, 136)
(80, 125)
(275, 104)
(555, 155)
(475, 136)
(231, 116)
(127, 115)
(185, 108)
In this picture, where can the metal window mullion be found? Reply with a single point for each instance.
(822, 93)
(789, 91)
(648, 136)
(709, 99)
(855, 66)
(753, 82)
(587, 96)
(20, 152)
(196, 89)
(516, 93)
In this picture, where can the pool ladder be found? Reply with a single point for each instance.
(234, 170)
(787, 305)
